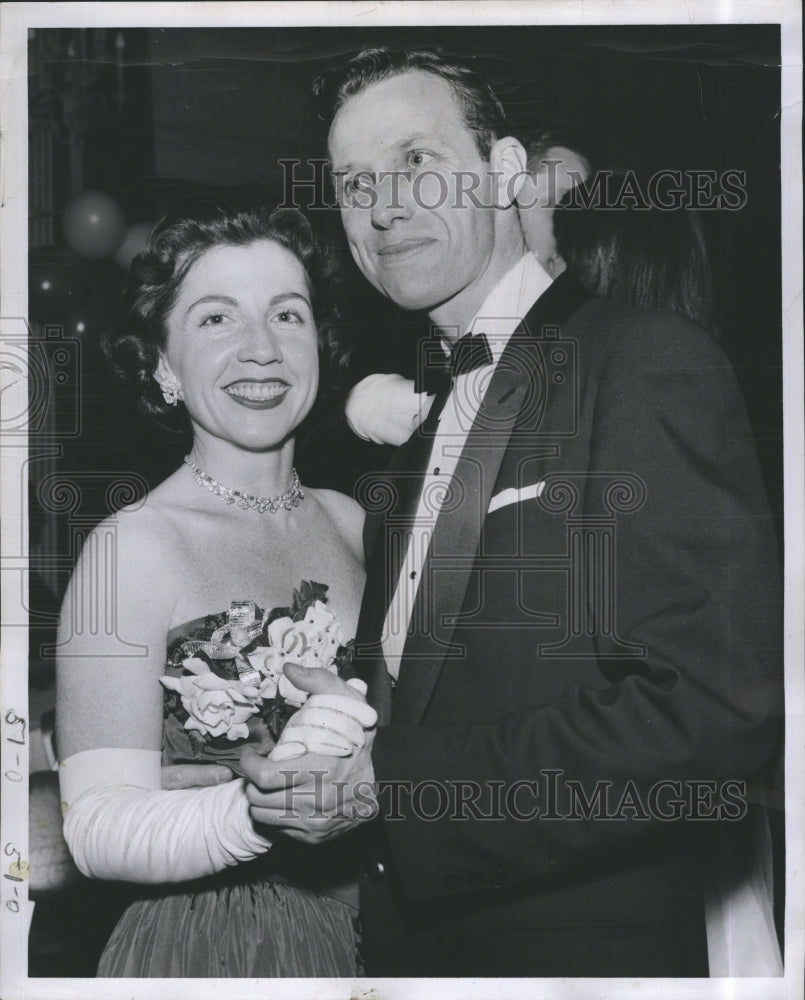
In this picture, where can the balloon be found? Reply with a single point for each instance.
(134, 243)
(93, 224)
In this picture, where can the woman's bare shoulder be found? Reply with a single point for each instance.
(144, 539)
(346, 513)
(141, 527)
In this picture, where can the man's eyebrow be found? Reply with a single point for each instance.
(411, 140)
(400, 146)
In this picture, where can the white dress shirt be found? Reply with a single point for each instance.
(498, 318)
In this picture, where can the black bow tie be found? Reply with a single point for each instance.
(437, 369)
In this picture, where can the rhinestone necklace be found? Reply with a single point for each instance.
(284, 501)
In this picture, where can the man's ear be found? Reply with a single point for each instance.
(508, 162)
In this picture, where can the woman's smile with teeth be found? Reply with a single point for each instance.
(257, 391)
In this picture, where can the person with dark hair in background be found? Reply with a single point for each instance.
(572, 583)
(648, 256)
(228, 315)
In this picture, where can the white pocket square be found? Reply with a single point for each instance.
(511, 495)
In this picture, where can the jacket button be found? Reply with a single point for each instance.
(375, 870)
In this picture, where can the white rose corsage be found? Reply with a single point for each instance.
(386, 409)
(226, 683)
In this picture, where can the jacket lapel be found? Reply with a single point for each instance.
(517, 383)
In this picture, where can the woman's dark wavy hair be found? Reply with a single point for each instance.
(155, 277)
(482, 111)
(643, 256)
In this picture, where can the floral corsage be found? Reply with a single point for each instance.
(226, 686)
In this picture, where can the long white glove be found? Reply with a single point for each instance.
(119, 824)
(386, 409)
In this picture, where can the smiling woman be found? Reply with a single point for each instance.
(238, 356)
(225, 317)
(158, 274)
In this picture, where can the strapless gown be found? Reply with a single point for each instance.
(292, 912)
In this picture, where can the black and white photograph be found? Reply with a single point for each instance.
(402, 493)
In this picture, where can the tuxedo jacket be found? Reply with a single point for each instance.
(590, 674)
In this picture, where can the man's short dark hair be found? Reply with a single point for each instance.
(482, 112)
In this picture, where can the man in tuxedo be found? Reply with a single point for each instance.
(570, 629)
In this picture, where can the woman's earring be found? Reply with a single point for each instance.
(171, 388)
